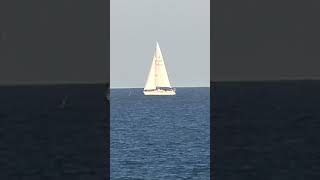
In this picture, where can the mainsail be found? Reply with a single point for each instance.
(158, 76)
(151, 81)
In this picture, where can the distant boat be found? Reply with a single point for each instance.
(158, 81)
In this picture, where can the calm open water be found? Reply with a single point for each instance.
(40, 141)
(160, 137)
(267, 130)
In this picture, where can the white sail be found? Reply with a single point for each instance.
(158, 82)
(151, 81)
(161, 74)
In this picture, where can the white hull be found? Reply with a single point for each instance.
(159, 93)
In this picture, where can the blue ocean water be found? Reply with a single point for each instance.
(266, 130)
(160, 137)
(39, 140)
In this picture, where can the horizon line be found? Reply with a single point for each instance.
(107, 82)
(143, 87)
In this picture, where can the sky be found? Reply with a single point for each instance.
(265, 40)
(67, 41)
(54, 41)
(182, 29)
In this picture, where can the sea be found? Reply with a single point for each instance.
(41, 139)
(262, 130)
(266, 130)
(160, 137)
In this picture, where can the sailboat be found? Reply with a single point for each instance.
(158, 83)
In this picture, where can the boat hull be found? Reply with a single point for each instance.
(159, 93)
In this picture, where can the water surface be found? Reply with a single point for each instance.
(267, 130)
(39, 140)
(160, 137)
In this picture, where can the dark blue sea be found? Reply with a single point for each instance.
(266, 130)
(40, 140)
(160, 137)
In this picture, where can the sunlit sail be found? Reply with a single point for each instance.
(158, 81)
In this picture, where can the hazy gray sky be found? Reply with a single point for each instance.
(182, 28)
